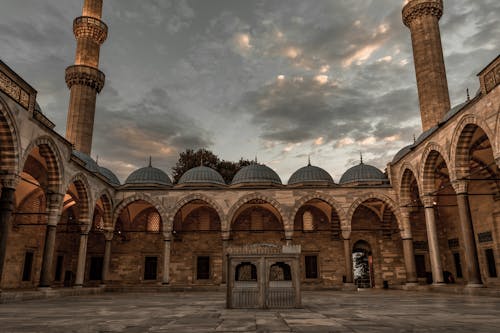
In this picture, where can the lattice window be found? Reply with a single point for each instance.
(154, 221)
(308, 221)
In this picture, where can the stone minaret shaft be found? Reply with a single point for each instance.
(422, 17)
(84, 78)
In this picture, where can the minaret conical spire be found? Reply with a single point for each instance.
(84, 79)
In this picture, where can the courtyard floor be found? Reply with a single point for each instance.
(326, 311)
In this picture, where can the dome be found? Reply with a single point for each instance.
(400, 154)
(362, 173)
(256, 173)
(310, 174)
(148, 175)
(109, 175)
(453, 112)
(90, 164)
(201, 175)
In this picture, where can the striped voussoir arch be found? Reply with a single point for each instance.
(9, 147)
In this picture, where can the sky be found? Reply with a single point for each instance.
(279, 80)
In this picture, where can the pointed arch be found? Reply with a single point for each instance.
(379, 196)
(461, 143)
(107, 202)
(259, 196)
(429, 157)
(84, 195)
(9, 141)
(192, 197)
(406, 171)
(324, 197)
(53, 158)
(144, 197)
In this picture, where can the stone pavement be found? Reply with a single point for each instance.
(325, 311)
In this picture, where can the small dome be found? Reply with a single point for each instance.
(453, 112)
(90, 164)
(400, 154)
(362, 173)
(256, 173)
(109, 176)
(201, 175)
(149, 175)
(310, 174)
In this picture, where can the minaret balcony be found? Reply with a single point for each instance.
(85, 75)
(90, 27)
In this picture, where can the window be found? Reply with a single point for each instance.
(280, 272)
(420, 265)
(153, 222)
(203, 268)
(311, 267)
(59, 267)
(96, 264)
(150, 268)
(458, 265)
(246, 271)
(490, 258)
(28, 266)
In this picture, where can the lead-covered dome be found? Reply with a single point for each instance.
(363, 173)
(310, 174)
(256, 174)
(201, 175)
(148, 175)
(109, 176)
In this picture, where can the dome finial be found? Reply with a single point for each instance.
(97, 160)
(309, 160)
(256, 162)
(361, 157)
(201, 158)
(150, 162)
(468, 95)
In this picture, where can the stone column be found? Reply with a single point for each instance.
(167, 237)
(82, 255)
(348, 257)
(54, 206)
(225, 245)
(288, 237)
(430, 221)
(6, 208)
(409, 256)
(108, 235)
(467, 228)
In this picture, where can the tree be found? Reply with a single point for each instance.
(190, 159)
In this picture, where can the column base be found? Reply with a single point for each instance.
(349, 286)
(474, 285)
(78, 286)
(165, 284)
(438, 284)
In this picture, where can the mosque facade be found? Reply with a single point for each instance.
(433, 217)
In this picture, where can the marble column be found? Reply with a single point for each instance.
(348, 257)
(6, 208)
(54, 207)
(225, 245)
(167, 237)
(108, 235)
(473, 273)
(409, 255)
(82, 255)
(430, 222)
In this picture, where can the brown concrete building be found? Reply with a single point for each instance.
(433, 217)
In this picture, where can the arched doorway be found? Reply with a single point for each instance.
(362, 265)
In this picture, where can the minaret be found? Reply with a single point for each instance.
(422, 17)
(84, 78)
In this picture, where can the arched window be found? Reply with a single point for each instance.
(280, 272)
(246, 272)
(154, 221)
(308, 221)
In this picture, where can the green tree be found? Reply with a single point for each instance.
(190, 158)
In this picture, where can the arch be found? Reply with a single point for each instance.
(144, 197)
(497, 140)
(461, 142)
(320, 196)
(379, 196)
(82, 187)
(108, 208)
(49, 151)
(429, 157)
(9, 141)
(259, 196)
(405, 182)
(192, 197)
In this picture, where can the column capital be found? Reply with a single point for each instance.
(226, 235)
(108, 235)
(429, 201)
(460, 186)
(167, 236)
(9, 181)
(288, 234)
(346, 234)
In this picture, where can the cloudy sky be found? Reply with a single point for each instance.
(276, 79)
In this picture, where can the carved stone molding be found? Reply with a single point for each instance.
(85, 75)
(91, 28)
(428, 201)
(460, 186)
(418, 8)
